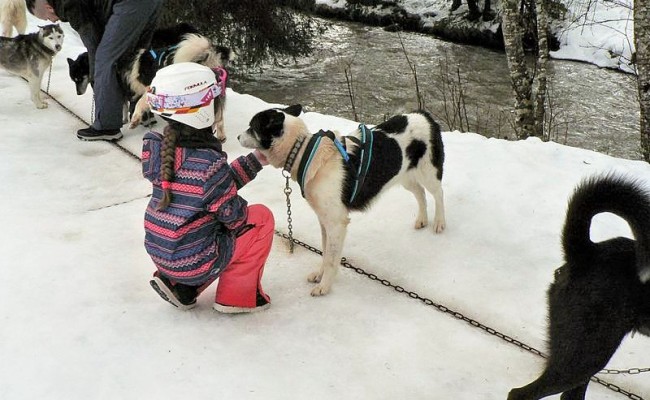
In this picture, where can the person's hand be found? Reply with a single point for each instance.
(260, 157)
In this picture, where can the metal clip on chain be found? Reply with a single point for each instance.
(287, 192)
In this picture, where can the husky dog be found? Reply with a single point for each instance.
(13, 14)
(79, 72)
(600, 294)
(406, 149)
(180, 43)
(30, 55)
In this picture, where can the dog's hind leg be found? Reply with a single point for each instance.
(6, 29)
(418, 191)
(579, 346)
(577, 393)
(549, 384)
(21, 24)
(434, 186)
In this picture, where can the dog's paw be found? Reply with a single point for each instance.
(43, 104)
(315, 277)
(320, 290)
(439, 226)
(421, 223)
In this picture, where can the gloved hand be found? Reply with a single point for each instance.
(260, 157)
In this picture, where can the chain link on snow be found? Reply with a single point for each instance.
(472, 322)
(287, 192)
(413, 295)
(49, 78)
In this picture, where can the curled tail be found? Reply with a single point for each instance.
(199, 49)
(618, 195)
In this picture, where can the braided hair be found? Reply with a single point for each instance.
(168, 155)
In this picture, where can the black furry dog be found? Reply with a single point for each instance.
(600, 294)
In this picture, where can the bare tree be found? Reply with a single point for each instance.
(529, 87)
(642, 45)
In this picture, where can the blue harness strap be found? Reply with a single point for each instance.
(365, 156)
(160, 54)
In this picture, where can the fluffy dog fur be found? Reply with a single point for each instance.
(13, 14)
(29, 56)
(180, 43)
(407, 149)
(600, 294)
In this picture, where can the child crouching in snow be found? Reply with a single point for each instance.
(197, 227)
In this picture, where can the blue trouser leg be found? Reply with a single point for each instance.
(123, 33)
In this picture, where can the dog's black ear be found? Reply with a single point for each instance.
(294, 110)
(275, 124)
(70, 61)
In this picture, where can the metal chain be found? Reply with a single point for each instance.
(49, 77)
(460, 316)
(287, 192)
(630, 371)
(400, 289)
(92, 111)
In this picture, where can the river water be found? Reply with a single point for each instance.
(465, 87)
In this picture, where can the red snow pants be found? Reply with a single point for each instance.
(240, 281)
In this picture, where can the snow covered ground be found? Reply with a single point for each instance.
(79, 320)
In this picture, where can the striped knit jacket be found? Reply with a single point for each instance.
(192, 240)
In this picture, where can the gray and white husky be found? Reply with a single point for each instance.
(30, 56)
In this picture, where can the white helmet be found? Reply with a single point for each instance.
(184, 92)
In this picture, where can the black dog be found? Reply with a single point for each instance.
(600, 294)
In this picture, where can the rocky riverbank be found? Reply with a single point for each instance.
(458, 25)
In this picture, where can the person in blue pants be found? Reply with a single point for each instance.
(109, 29)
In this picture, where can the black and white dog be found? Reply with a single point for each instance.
(406, 149)
(600, 294)
(180, 43)
(29, 56)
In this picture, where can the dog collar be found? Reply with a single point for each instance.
(291, 158)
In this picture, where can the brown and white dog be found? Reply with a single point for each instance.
(406, 149)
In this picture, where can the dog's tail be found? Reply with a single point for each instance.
(199, 49)
(618, 195)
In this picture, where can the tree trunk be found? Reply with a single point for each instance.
(541, 68)
(521, 81)
(642, 44)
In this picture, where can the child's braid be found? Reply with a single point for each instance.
(167, 168)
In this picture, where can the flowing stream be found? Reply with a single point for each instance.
(465, 87)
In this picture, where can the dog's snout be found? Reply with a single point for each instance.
(58, 47)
